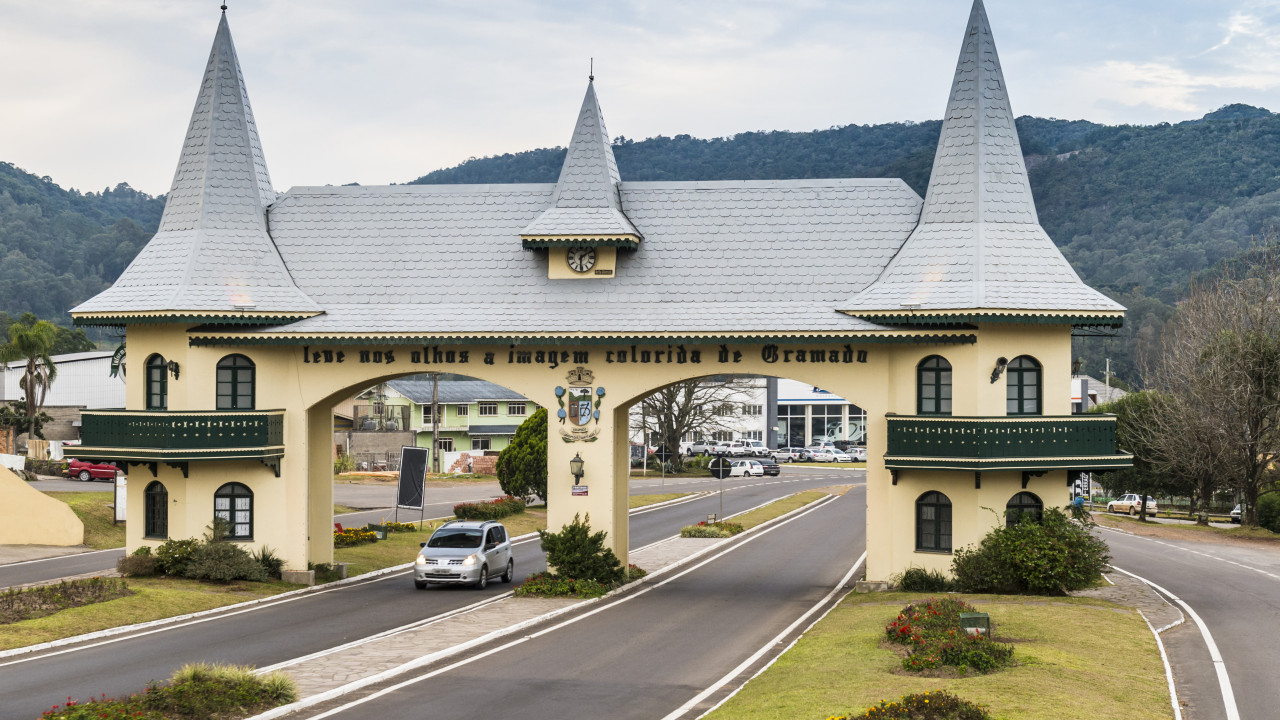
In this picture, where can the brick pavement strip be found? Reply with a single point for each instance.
(1134, 593)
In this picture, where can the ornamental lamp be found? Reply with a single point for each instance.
(976, 623)
(575, 468)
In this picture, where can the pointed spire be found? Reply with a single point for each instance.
(978, 171)
(587, 200)
(212, 252)
(979, 244)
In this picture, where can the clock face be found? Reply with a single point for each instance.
(581, 259)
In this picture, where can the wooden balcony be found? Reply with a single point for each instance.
(1029, 443)
(177, 438)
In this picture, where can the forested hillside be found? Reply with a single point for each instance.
(1138, 211)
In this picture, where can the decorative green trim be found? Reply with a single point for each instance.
(176, 437)
(563, 340)
(230, 319)
(943, 319)
(1105, 462)
(176, 456)
(1015, 442)
(539, 242)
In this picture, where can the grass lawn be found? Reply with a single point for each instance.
(343, 509)
(96, 510)
(777, 508)
(153, 598)
(841, 665)
(400, 548)
(857, 465)
(1188, 531)
(657, 472)
(636, 501)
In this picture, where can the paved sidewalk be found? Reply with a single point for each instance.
(1132, 592)
(436, 639)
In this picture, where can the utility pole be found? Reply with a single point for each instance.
(435, 424)
(1108, 381)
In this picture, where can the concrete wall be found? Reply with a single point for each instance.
(33, 518)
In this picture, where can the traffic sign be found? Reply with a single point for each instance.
(720, 467)
(662, 453)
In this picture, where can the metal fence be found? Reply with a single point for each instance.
(377, 461)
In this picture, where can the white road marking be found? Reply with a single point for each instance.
(1168, 669)
(680, 711)
(1220, 667)
(285, 709)
(59, 557)
(1211, 556)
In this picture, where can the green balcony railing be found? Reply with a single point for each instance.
(1085, 442)
(157, 436)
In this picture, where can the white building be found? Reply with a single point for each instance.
(84, 380)
(806, 413)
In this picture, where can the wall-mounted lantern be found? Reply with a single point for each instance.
(173, 368)
(575, 468)
(1001, 364)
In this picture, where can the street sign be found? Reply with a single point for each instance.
(720, 467)
(662, 453)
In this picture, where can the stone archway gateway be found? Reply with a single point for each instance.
(948, 318)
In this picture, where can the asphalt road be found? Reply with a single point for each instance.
(645, 656)
(270, 634)
(1236, 592)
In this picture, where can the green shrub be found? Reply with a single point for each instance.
(194, 691)
(576, 552)
(490, 509)
(544, 584)
(522, 465)
(223, 562)
(1051, 557)
(916, 579)
(705, 529)
(698, 462)
(25, 604)
(173, 556)
(136, 565)
(932, 630)
(344, 463)
(933, 705)
(1269, 512)
(45, 467)
(272, 564)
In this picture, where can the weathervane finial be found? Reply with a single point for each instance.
(224, 8)
(591, 77)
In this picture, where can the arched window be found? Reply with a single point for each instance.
(1023, 389)
(233, 502)
(235, 383)
(933, 522)
(156, 517)
(933, 386)
(157, 383)
(1023, 505)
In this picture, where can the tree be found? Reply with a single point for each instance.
(1217, 416)
(1132, 414)
(522, 465)
(691, 407)
(32, 340)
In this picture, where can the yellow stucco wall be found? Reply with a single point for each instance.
(293, 513)
(33, 518)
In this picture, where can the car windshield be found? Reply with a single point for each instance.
(457, 538)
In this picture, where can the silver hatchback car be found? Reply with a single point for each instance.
(465, 552)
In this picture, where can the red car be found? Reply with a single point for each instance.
(87, 471)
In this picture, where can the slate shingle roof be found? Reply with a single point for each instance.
(719, 256)
(586, 200)
(979, 245)
(453, 391)
(212, 251)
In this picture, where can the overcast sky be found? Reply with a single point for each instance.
(97, 92)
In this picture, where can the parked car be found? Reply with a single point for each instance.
(840, 455)
(757, 448)
(734, 448)
(820, 454)
(465, 552)
(86, 471)
(686, 448)
(701, 447)
(1236, 512)
(770, 466)
(788, 454)
(859, 454)
(746, 468)
(1131, 504)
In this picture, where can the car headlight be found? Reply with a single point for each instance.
(469, 560)
(419, 560)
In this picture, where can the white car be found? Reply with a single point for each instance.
(1132, 504)
(820, 454)
(840, 455)
(701, 447)
(788, 454)
(859, 454)
(734, 448)
(758, 449)
(746, 468)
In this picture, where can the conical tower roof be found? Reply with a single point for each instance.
(588, 206)
(212, 255)
(979, 245)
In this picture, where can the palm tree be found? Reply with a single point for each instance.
(33, 341)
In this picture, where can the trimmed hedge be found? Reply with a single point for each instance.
(1052, 556)
(489, 510)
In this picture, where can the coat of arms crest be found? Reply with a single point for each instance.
(579, 406)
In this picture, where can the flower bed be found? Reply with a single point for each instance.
(932, 632)
(351, 537)
(705, 529)
(195, 691)
(935, 705)
(18, 605)
(489, 510)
